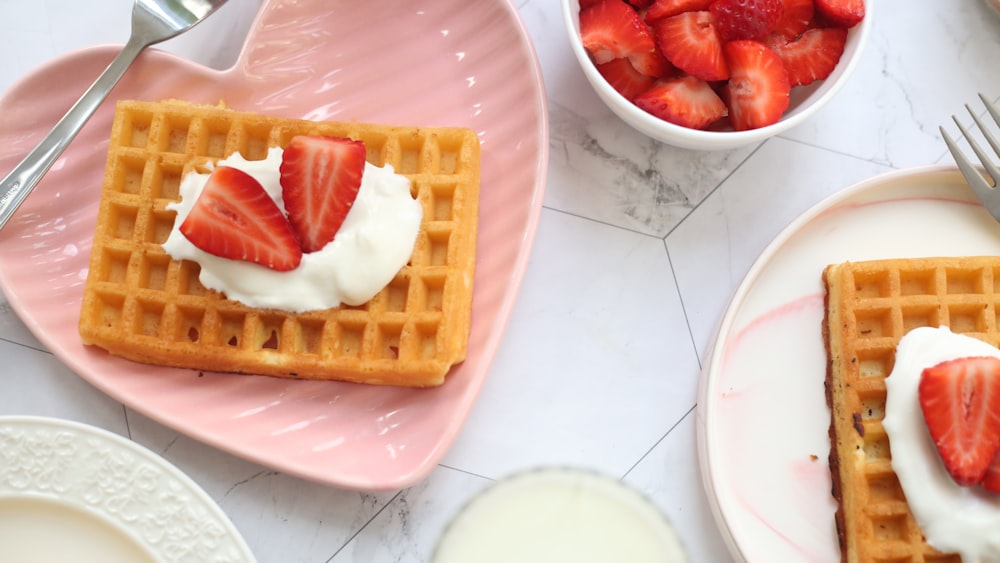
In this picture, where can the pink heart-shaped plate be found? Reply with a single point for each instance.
(463, 63)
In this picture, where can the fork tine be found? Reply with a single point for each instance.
(972, 175)
(984, 159)
(991, 139)
(994, 112)
(987, 134)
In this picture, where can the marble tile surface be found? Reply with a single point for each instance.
(639, 248)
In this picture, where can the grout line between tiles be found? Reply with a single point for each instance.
(363, 526)
(714, 189)
(22, 345)
(657, 442)
(465, 472)
(680, 299)
(128, 427)
(599, 222)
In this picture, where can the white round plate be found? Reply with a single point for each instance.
(762, 414)
(72, 492)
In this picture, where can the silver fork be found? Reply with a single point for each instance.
(153, 21)
(987, 192)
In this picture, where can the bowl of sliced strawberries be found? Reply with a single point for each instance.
(716, 74)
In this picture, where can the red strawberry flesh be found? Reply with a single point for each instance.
(624, 78)
(811, 56)
(746, 19)
(665, 8)
(685, 100)
(690, 42)
(796, 17)
(841, 13)
(235, 218)
(960, 400)
(758, 90)
(613, 29)
(320, 179)
(991, 482)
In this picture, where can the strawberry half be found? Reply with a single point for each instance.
(624, 78)
(812, 56)
(613, 29)
(235, 218)
(685, 100)
(841, 13)
(745, 19)
(758, 90)
(320, 179)
(690, 42)
(960, 400)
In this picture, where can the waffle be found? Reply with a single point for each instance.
(140, 304)
(869, 307)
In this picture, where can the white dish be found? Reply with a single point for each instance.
(762, 415)
(71, 492)
(805, 101)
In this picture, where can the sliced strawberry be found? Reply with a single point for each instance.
(796, 17)
(584, 4)
(812, 56)
(757, 91)
(613, 29)
(640, 4)
(665, 8)
(624, 78)
(841, 13)
(690, 42)
(235, 218)
(320, 179)
(960, 400)
(745, 19)
(685, 100)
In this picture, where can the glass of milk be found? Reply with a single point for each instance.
(559, 514)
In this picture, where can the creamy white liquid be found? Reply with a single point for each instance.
(557, 515)
(953, 518)
(36, 530)
(374, 243)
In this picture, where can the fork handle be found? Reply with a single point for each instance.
(19, 182)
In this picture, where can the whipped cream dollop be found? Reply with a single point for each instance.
(375, 241)
(964, 520)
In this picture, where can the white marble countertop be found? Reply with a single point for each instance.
(638, 249)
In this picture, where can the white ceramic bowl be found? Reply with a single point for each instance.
(555, 514)
(805, 100)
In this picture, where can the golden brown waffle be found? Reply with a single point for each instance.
(869, 307)
(140, 304)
